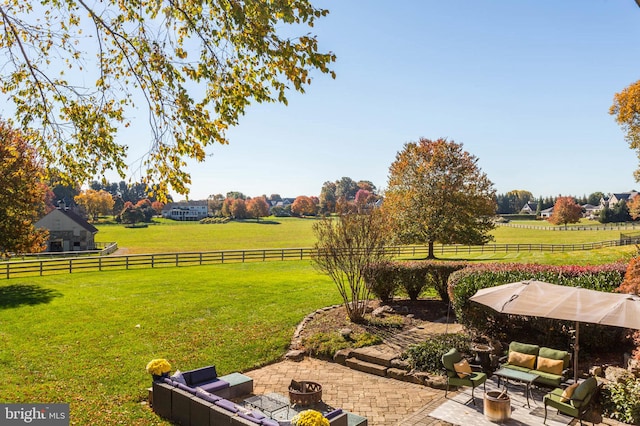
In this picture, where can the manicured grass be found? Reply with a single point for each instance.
(171, 236)
(85, 338)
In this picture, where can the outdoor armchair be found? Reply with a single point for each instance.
(473, 378)
(575, 405)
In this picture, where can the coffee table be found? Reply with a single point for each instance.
(268, 404)
(517, 376)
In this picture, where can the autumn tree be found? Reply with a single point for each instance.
(346, 246)
(328, 198)
(95, 203)
(193, 66)
(22, 197)
(303, 206)
(238, 208)
(626, 109)
(437, 193)
(258, 207)
(565, 211)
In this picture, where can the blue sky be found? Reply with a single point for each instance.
(525, 85)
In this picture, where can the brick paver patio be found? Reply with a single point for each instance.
(384, 401)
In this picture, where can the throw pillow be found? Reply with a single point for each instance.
(178, 377)
(522, 360)
(462, 368)
(548, 365)
(568, 392)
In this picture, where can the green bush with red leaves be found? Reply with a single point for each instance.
(548, 332)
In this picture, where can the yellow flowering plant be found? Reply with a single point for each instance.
(158, 367)
(309, 418)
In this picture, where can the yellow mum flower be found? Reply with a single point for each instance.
(158, 367)
(309, 418)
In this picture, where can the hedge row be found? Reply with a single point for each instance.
(549, 332)
(387, 278)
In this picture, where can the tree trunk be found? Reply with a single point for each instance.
(431, 255)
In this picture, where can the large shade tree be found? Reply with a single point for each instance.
(79, 71)
(438, 193)
(565, 211)
(23, 193)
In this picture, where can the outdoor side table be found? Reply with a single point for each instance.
(517, 376)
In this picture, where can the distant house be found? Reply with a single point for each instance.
(613, 199)
(186, 210)
(529, 208)
(591, 211)
(67, 231)
(546, 213)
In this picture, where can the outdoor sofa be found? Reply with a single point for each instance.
(551, 365)
(204, 399)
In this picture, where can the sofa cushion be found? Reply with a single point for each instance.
(524, 348)
(250, 418)
(178, 377)
(214, 386)
(186, 388)
(556, 354)
(333, 413)
(522, 359)
(269, 422)
(548, 365)
(200, 393)
(200, 375)
(227, 405)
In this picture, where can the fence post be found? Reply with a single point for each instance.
(222, 257)
(100, 264)
(153, 261)
(7, 270)
(70, 266)
(177, 259)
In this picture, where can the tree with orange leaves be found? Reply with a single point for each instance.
(565, 211)
(437, 193)
(23, 194)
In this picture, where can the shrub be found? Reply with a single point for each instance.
(621, 401)
(427, 356)
(412, 277)
(381, 279)
(325, 345)
(465, 283)
(214, 220)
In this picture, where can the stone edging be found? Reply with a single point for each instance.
(295, 347)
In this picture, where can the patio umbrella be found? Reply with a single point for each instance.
(540, 299)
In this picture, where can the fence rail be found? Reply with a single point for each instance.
(14, 269)
(601, 227)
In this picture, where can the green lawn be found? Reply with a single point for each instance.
(170, 236)
(86, 338)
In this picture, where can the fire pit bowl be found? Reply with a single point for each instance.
(304, 392)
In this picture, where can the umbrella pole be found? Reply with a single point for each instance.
(576, 349)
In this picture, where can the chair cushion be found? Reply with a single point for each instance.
(548, 365)
(581, 394)
(521, 359)
(449, 359)
(462, 368)
(568, 392)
